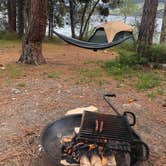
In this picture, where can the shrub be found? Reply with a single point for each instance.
(158, 53)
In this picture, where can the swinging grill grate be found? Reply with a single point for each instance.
(97, 127)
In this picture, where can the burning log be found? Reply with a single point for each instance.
(84, 161)
(96, 160)
(109, 161)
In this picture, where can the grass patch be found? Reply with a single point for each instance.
(55, 74)
(160, 92)
(13, 71)
(158, 53)
(151, 95)
(130, 69)
(148, 81)
(8, 39)
(53, 40)
(87, 62)
(90, 75)
(21, 85)
(124, 66)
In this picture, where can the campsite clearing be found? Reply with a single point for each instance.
(33, 96)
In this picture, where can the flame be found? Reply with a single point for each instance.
(92, 146)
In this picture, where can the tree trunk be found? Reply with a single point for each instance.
(82, 19)
(163, 30)
(32, 45)
(88, 19)
(11, 5)
(72, 18)
(20, 17)
(145, 37)
(51, 19)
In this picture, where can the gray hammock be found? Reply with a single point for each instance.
(91, 45)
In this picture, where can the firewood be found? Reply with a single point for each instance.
(110, 161)
(84, 161)
(96, 160)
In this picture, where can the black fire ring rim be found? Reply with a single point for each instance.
(44, 136)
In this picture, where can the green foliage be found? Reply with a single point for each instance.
(148, 81)
(22, 85)
(56, 9)
(128, 8)
(158, 53)
(131, 68)
(125, 65)
(9, 36)
(151, 95)
(103, 11)
(90, 75)
(13, 71)
(53, 40)
(54, 74)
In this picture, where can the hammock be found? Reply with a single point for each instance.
(91, 45)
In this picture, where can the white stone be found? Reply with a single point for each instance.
(16, 91)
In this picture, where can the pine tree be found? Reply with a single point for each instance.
(146, 31)
(32, 45)
(163, 30)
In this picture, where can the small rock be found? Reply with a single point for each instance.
(13, 98)
(2, 67)
(16, 91)
(121, 85)
(59, 91)
(40, 148)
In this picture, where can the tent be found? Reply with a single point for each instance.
(111, 31)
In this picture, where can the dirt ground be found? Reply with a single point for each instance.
(31, 97)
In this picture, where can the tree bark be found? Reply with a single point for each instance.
(145, 37)
(51, 19)
(11, 6)
(72, 6)
(88, 19)
(82, 19)
(163, 30)
(32, 45)
(20, 17)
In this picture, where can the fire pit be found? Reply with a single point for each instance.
(91, 133)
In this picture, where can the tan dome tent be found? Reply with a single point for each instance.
(106, 35)
(111, 31)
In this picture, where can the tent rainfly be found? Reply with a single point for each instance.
(110, 32)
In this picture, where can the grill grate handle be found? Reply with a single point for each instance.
(109, 103)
